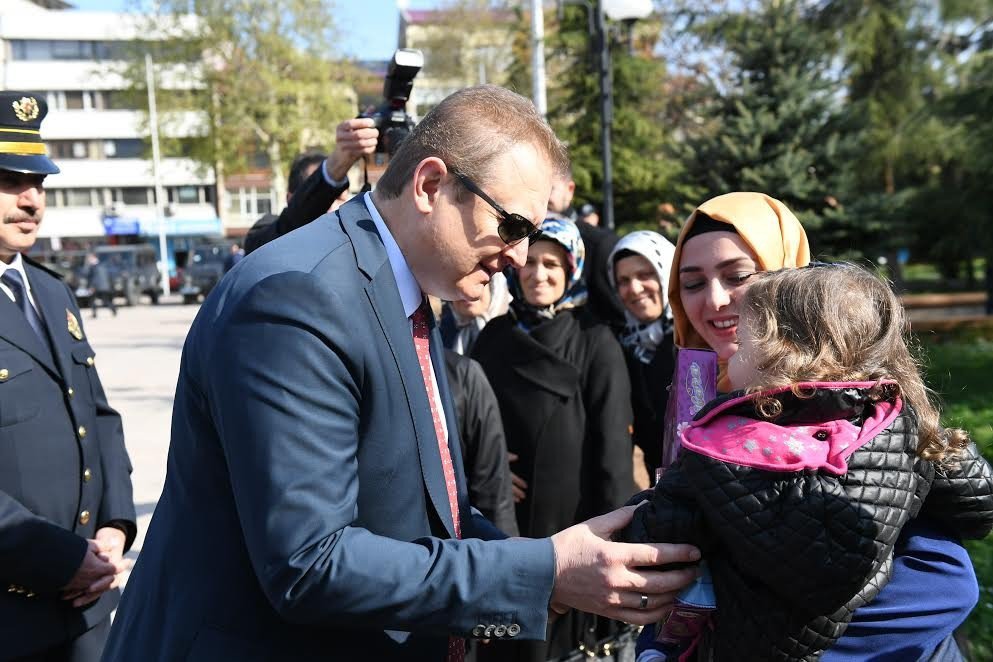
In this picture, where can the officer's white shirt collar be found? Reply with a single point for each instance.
(410, 291)
(17, 264)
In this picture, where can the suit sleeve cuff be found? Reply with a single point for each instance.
(333, 183)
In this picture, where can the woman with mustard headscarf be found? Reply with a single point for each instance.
(725, 242)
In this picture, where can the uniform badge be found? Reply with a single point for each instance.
(26, 109)
(74, 329)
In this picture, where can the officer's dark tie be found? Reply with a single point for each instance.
(12, 279)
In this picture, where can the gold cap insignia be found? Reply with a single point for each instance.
(26, 109)
(74, 329)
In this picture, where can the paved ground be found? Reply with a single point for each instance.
(138, 355)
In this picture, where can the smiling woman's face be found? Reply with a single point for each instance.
(714, 270)
(639, 288)
(543, 277)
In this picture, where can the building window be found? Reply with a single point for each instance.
(74, 100)
(125, 148)
(134, 196)
(79, 197)
(185, 195)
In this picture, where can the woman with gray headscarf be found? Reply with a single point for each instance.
(638, 269)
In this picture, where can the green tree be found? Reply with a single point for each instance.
(261, 71)
(643, 176)
(768, 123)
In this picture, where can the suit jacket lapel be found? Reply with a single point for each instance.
(15, 329)
(50, 295)
(370, 256)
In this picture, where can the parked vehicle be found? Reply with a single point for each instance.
(133, 271)
(204, 269)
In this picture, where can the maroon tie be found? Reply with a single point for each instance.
(456, 646)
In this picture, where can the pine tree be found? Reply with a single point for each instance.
(772, 127)
(643, 176)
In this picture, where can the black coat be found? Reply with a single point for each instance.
(310, 201)
(565, 401)
(64, 471)
(603, 302)
(795, 553)
(484, 448)
(649, 397)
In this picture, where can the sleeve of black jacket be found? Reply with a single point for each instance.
(484, 447)
(309, 202)
(961, 496)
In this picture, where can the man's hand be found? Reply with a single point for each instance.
(595, 575)
(354, 139)
(95, 572)
(518, 485)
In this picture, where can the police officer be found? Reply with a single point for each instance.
(66, 509)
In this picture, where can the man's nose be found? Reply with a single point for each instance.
(517, 254)
(30, 197)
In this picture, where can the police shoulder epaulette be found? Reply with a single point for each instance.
(47, 269)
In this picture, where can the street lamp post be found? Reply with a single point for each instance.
(616, 10)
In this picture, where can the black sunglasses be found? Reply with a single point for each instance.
(513, 228)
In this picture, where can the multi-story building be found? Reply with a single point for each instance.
(460, 47)
(97, 135)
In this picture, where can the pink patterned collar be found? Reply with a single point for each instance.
(766, 445)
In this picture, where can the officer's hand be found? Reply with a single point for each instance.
(95, 571)
(111, 541)
(354, 138)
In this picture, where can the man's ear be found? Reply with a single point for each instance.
(428, 177)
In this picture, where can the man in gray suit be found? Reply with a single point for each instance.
(315, 506)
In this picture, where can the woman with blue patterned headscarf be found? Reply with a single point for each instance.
(560, 378)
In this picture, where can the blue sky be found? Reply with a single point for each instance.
(368, 27)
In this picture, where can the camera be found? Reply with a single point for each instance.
(391, 117)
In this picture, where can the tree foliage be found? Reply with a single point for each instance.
(261, 70)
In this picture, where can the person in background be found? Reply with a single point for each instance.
(461, 321)
(603, 302)
(66, 509)
(588, 214)
(722, 245)
(235, 253)
(99, 283)
(316, 182)
(559, 377)
(639, 269)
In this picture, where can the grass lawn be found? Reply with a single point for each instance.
(962, 372)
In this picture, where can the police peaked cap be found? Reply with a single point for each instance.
(21, 149)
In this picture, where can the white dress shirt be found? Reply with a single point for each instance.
(17, 264)
(410, 291)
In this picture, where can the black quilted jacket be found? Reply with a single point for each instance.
(793, 554)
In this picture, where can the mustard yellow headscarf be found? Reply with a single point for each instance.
(765, 224)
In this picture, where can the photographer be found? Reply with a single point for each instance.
(315, 182)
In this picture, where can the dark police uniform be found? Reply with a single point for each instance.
(64, 470)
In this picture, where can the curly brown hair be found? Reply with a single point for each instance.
(839, 323)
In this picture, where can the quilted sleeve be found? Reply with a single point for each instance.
(962, 494)
(669, 516)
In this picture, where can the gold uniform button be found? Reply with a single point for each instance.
(87, 475)
(84, 517)
(70, 392)
(89, 360)
(82, 432)
(4, 374)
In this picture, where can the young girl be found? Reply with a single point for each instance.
(796, 486)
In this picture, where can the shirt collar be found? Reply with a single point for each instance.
(410, 291)
(17, 264)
